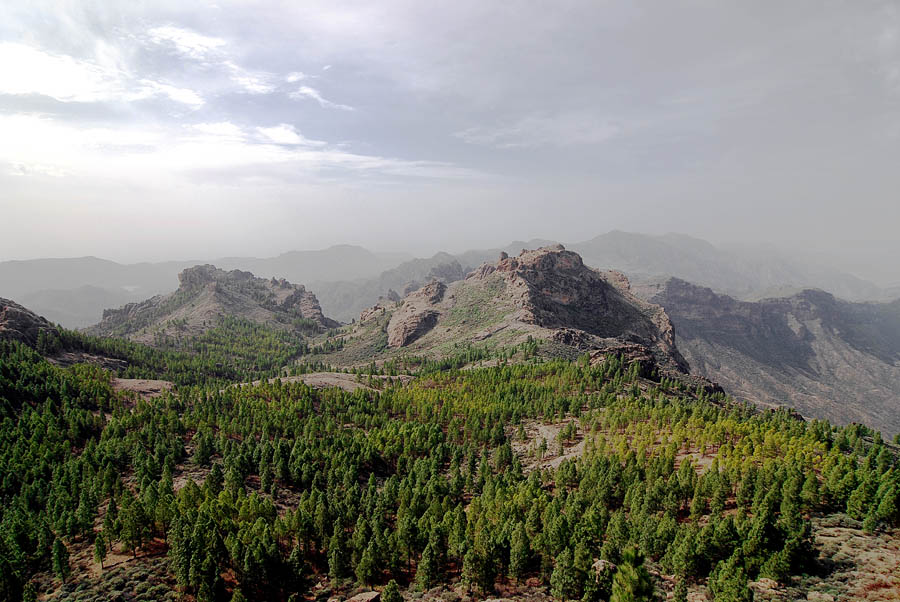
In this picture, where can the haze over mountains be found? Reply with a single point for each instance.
(758, 323)
(825, 357)
(347, 279)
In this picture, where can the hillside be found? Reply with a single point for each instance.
(18, 323)
(539, 481)
(546, 294)
(206, 295)
(826, 357)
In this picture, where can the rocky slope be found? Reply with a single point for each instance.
(345, 300)
(547, 294)
(826, 357)
(205, 296)
(20, 324)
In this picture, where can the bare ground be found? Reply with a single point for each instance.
(145, 388)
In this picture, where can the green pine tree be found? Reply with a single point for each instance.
(60, 560)
(632, 581)
(564, 579)
(391, 592)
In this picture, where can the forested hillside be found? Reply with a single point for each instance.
(545, 478)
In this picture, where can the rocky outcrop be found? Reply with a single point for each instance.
(205, 296)
(546, 293)
(585, 308)
(18, 323)
(416, 315)
(825, 357)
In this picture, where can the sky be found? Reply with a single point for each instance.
(162, 130)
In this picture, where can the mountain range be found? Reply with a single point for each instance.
(808, 349)
(347, 279)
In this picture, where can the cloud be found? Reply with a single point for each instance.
(252, 82)
(187, 42)
(295, 76)
(307, 92)
(28, 70)
(566, 129)
(210, 51)
(182, 95)
(39, 145)
(225, 129)
(286, 134)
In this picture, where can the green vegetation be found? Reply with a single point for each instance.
(418, 485)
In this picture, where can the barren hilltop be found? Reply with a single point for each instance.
(204, 297)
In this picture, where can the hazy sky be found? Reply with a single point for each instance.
(144, 130)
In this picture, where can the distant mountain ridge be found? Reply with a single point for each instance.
(826, 357)
(205, 297)
(348, 279)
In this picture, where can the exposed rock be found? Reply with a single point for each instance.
(554, 289)
(366, 597)
(825, 357)
(20, 324)
(416, 315)
(547, 294)
(379, 309)
(207, 295)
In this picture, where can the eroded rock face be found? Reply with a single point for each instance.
(208, 294)
(825, 357)
(416, 315)
(18, 323)
(586, 308)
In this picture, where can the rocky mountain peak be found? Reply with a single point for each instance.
(205, 296)
(546, 293)
(18, 323)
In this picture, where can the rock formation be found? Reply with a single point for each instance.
(205, 296)
(547, 293)
(18, 323)
(826, 357)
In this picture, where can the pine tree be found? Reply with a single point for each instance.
(366, 569)
(728, 581)
(238, 595)
(296, 566)
(60, 560)
(427, 571)
(337, 555)
(632, 581)
(391, 592)
(681, 591)
(519, 552)
(100, 548)
(564, 579)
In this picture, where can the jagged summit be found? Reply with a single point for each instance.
(546, 293)
(205, 296)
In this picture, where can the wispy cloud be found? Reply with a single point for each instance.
(312, 93)
(185, 41)
(285, 133)
(211, 51)
(39, 145)
(28, 70)
(565, 129)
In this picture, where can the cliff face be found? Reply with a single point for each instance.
(546, 293)
(205, 296)
(826, 357)
(20, 324)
